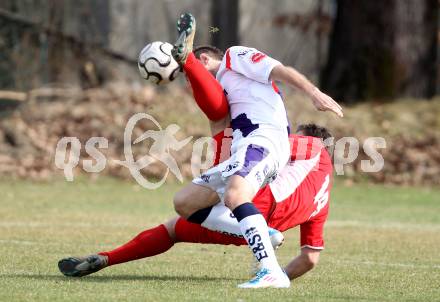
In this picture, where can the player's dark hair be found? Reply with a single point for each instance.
(210, 50)
(316, 131)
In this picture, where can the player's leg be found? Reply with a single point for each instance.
(186, 231)
(182, 230)
(244, 163)
(148, 243)
(220, 218)
(135, 249)
(254, 228)
(257, 168)
(245, 172)
(195, 198)
(208, 93)
(199, 203)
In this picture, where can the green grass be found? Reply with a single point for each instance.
(382, 244)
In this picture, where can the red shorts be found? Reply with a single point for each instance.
(289, 214)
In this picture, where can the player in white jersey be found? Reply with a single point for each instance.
(260, 145)
(257, 110)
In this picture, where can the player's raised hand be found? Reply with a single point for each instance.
(292, 77)
(323, 102)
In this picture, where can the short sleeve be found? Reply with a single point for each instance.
(312, 233)
(250, 62)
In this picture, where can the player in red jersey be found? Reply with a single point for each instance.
(299, 196)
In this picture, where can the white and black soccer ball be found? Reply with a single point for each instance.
(156, 64)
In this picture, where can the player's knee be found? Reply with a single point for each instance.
(238, 192)
(231, 198)
(181, 204)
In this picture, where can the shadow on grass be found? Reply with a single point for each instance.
(111, 278)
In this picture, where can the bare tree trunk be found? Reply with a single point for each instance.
(225, 14)
(56, 46)
(8, 36)
(382, 49)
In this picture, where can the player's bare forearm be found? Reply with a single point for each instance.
(302, 263)
(292, 77)
(295, 79)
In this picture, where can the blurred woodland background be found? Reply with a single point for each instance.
(68, 68)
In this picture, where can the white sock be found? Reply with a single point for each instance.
(255, 231)
(222, 220)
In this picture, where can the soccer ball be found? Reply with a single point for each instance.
(156, 64)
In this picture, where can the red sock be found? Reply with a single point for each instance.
(195, 233)
(208, 93)
(148, 243)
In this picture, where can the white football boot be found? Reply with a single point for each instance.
(268, 278)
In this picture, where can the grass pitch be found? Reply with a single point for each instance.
(382, 244)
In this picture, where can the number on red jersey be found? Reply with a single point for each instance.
(321, 198)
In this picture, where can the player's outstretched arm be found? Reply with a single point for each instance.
(292, 77)
(302, 263)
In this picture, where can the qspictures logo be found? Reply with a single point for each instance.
(68, 149)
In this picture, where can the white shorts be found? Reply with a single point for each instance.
(249, 159)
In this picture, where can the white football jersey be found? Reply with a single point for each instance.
(253, 99)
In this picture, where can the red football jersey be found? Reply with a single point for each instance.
(301, 192)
